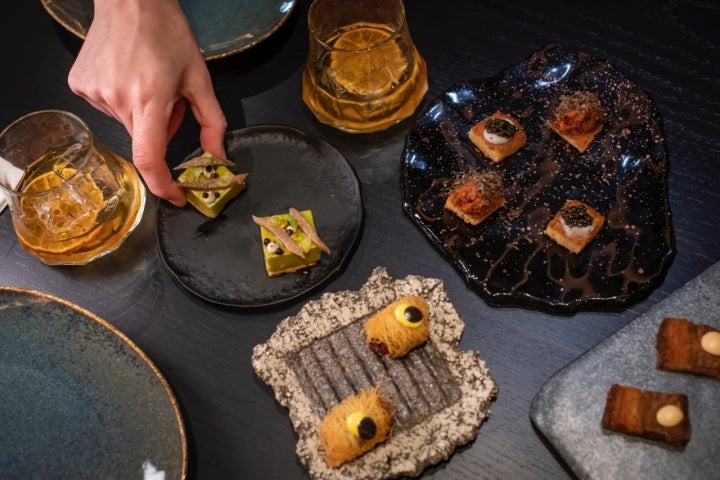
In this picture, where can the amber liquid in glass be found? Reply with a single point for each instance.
(369, 80)
(70, 217)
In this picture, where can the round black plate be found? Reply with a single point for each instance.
(221, 259)
(623, 174)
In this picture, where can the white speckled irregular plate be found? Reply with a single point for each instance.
(79, 399)
(568, 409)
(318, 357)
(222, 27)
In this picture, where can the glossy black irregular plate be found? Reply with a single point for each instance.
(79, 399)
(222, 27)
(624, 175)
(221, 259)
(568, 409)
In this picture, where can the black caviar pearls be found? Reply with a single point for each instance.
(576, 216)
(501, 127)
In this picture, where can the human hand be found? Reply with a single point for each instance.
(140, 63)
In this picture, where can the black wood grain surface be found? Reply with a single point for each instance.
(671, 49)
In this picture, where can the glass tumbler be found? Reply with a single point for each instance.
(363, 72)
(71, 199)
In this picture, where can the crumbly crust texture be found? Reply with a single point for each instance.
(582, 141)
(417, 441)
(476, 197)
(582, 105)
(498, 152)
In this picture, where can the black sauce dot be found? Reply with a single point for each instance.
(413, 314)
(367, 428)
(266, 241)
(278, 251)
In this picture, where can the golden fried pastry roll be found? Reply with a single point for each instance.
(355, 426)
(399, 327)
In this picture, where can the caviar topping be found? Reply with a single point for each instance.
(501, 127)
(576, 216)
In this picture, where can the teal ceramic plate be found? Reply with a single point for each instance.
(222, 27)
(79, 399)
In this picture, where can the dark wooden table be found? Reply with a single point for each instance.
(235, 427)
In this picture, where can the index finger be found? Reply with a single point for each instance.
(210, 117)
(149, 144)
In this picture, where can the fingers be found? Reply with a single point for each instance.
(209, 115)
(176, 118)
(150, 138)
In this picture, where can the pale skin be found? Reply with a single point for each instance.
(140, 64)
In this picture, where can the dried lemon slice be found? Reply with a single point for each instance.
(62, 220)
(366, 61)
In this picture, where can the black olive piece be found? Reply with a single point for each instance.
(205, 194)
(266, 241)
(413, 314)
(209, 168)
(367, 428)
(279, 251)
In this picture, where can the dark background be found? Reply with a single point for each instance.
(235, 427)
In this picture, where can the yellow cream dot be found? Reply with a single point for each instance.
(669, 415)
(710, 342)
